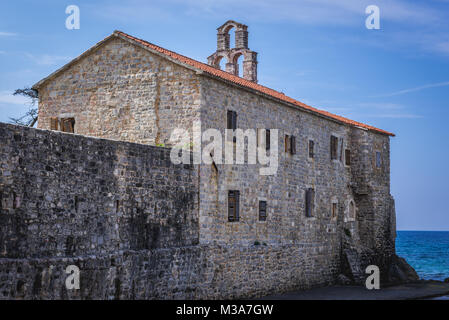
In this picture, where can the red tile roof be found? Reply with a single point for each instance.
(249, 84)
(221, 75)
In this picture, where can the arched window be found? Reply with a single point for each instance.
(352, 214)
(238, 62)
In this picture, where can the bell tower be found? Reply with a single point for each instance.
(224, 51)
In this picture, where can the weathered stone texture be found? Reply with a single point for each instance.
(68, 195)
(196, 272)
(140, 227)
(122, 92)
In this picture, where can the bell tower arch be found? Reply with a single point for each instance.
(232, 52)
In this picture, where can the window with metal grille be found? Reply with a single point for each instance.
(233, 205)
(262, 210)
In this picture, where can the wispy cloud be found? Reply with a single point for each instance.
(7, 97)
(7, 34)
(427, 86)
(48, 60)
(372, 110)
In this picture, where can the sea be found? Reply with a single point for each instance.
(426, 251)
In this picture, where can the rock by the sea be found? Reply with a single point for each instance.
(401, 272)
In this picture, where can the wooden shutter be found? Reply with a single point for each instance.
(234, 120)
(67, 125)
(53, 123)
(287, 142)
(267, 139)
(262, 210)
(237, 205)
(341, 149)
(293, 145)
(334, 146)
(233, 205)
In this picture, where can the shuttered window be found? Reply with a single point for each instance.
(262, 210)
(293, 145)
(68, 125)
(233, 205)
(334, 209)
(290, 144)
(347, 157)
(334, 147)
(287, 143)
(311, 147)
(310, 198)
(53, 123)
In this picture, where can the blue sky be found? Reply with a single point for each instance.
(318, 51)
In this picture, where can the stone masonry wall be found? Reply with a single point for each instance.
(68, 195)
(59, 196)
(122, 92)
(194, 272)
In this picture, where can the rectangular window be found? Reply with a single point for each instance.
(287, 143)
(334, 209)
(232, 120)
(292, 145)
(334, 147)
(267, 139)
(232, 123)
(378, 159)
(233, 205)
(68, 125)
(311, 147)
(310, 198)
(347, 157)
(262, 210)
(54, 123)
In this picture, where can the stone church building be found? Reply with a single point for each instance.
(103, 195)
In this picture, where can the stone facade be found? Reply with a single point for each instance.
(122, 92)
(142, 227)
